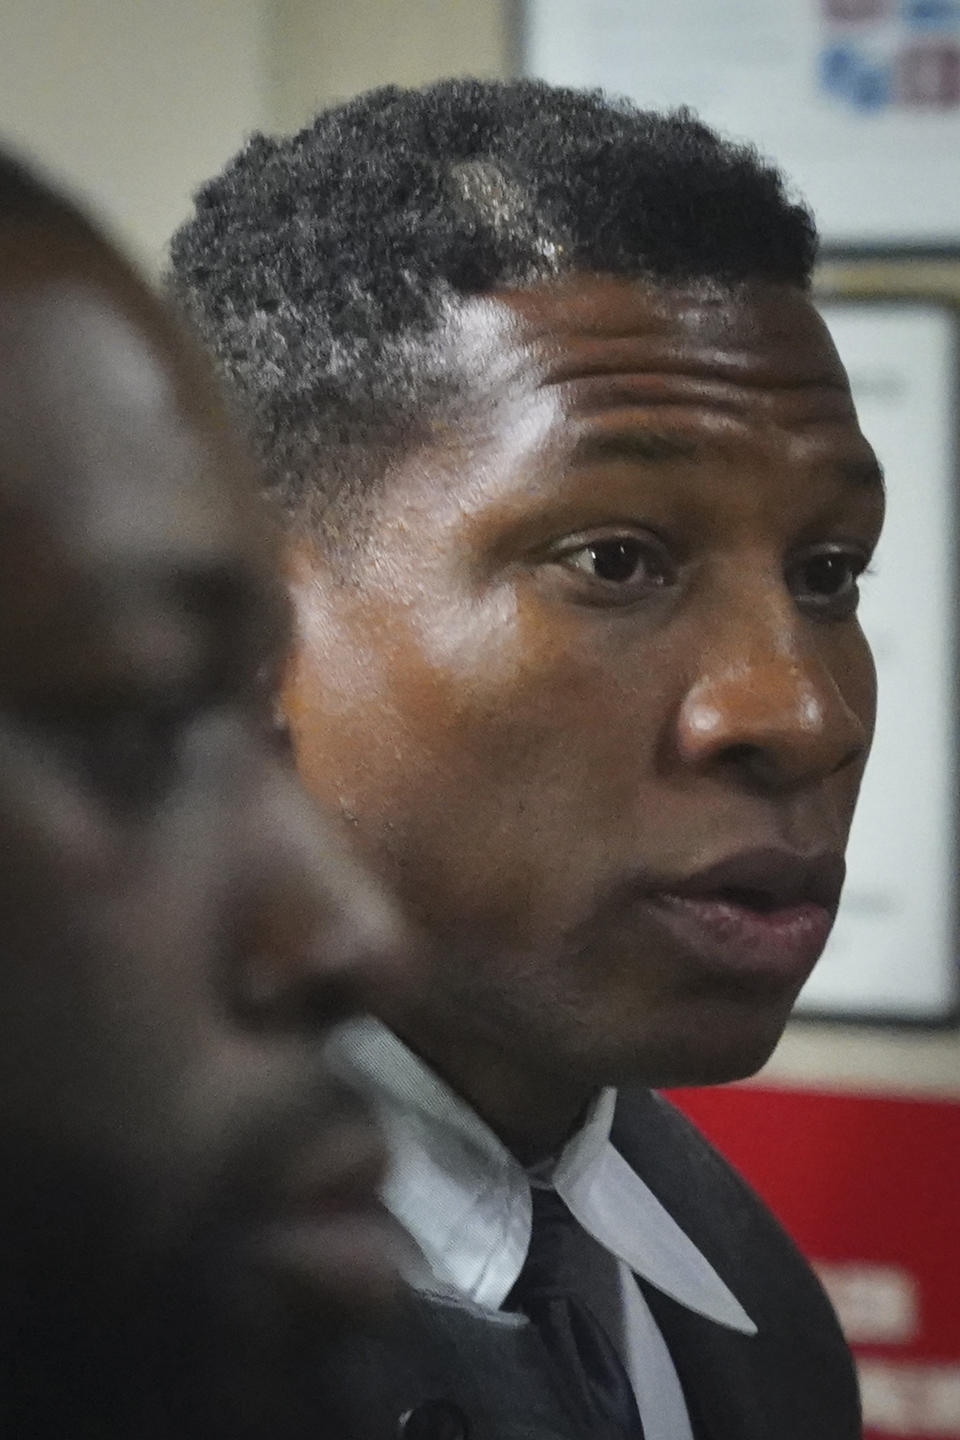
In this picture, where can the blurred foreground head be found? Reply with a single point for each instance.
(182, 1192)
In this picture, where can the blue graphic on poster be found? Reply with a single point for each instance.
(878, 55)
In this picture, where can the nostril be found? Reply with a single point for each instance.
(742, 754)
(765, 769)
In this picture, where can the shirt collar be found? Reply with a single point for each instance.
(465, 1200)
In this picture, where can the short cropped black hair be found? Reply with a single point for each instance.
(319, 269)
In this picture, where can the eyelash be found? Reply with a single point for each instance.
(826, 604)
(627, 553)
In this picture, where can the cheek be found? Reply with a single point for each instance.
(503, 774)
(520, 704)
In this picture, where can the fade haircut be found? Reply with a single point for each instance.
(323, 269)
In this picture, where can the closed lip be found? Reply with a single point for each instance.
(762, 916)
(764, 880)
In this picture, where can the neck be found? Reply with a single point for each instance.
(532, 1111)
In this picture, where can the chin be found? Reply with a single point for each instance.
(710, 1044)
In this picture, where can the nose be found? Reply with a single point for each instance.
(767, 709)
(320, 940)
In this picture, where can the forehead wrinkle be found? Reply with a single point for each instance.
(599, 395)
(746, 374)
(761, 361)
(654, 436)
(643, 445)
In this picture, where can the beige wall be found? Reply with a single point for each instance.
(867, 1060)
(326, 50)
(135, 101)
(902, 1062)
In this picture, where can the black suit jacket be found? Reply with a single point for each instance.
(451, 1371)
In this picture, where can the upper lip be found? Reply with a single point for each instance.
(767, 879)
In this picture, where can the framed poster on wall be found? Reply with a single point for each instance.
(893, 952)
(857, 100)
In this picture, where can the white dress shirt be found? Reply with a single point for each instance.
(465, 1201)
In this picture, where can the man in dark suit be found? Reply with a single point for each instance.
(577, 508)
(186, 1198)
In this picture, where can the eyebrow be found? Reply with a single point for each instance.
(658, 446)
(642, 445)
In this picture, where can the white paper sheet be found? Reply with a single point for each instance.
(863, 115)
(892, 952)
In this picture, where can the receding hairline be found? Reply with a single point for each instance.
(521, 358)
(316, 266)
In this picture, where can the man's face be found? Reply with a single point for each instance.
(171, 914)
(595, 695)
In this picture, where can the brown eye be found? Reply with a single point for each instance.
(622, 562)
(826, 580)
(616, 560)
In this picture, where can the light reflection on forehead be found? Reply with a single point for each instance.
(500, 414)
(754, 334)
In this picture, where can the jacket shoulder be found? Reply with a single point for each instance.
(798, 1366)
(714, 1204)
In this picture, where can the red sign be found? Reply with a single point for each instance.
(869, 1187)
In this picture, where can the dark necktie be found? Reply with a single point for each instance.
(573, 1336)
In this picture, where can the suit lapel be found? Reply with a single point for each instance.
(718, 1367)
(716, 1370)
